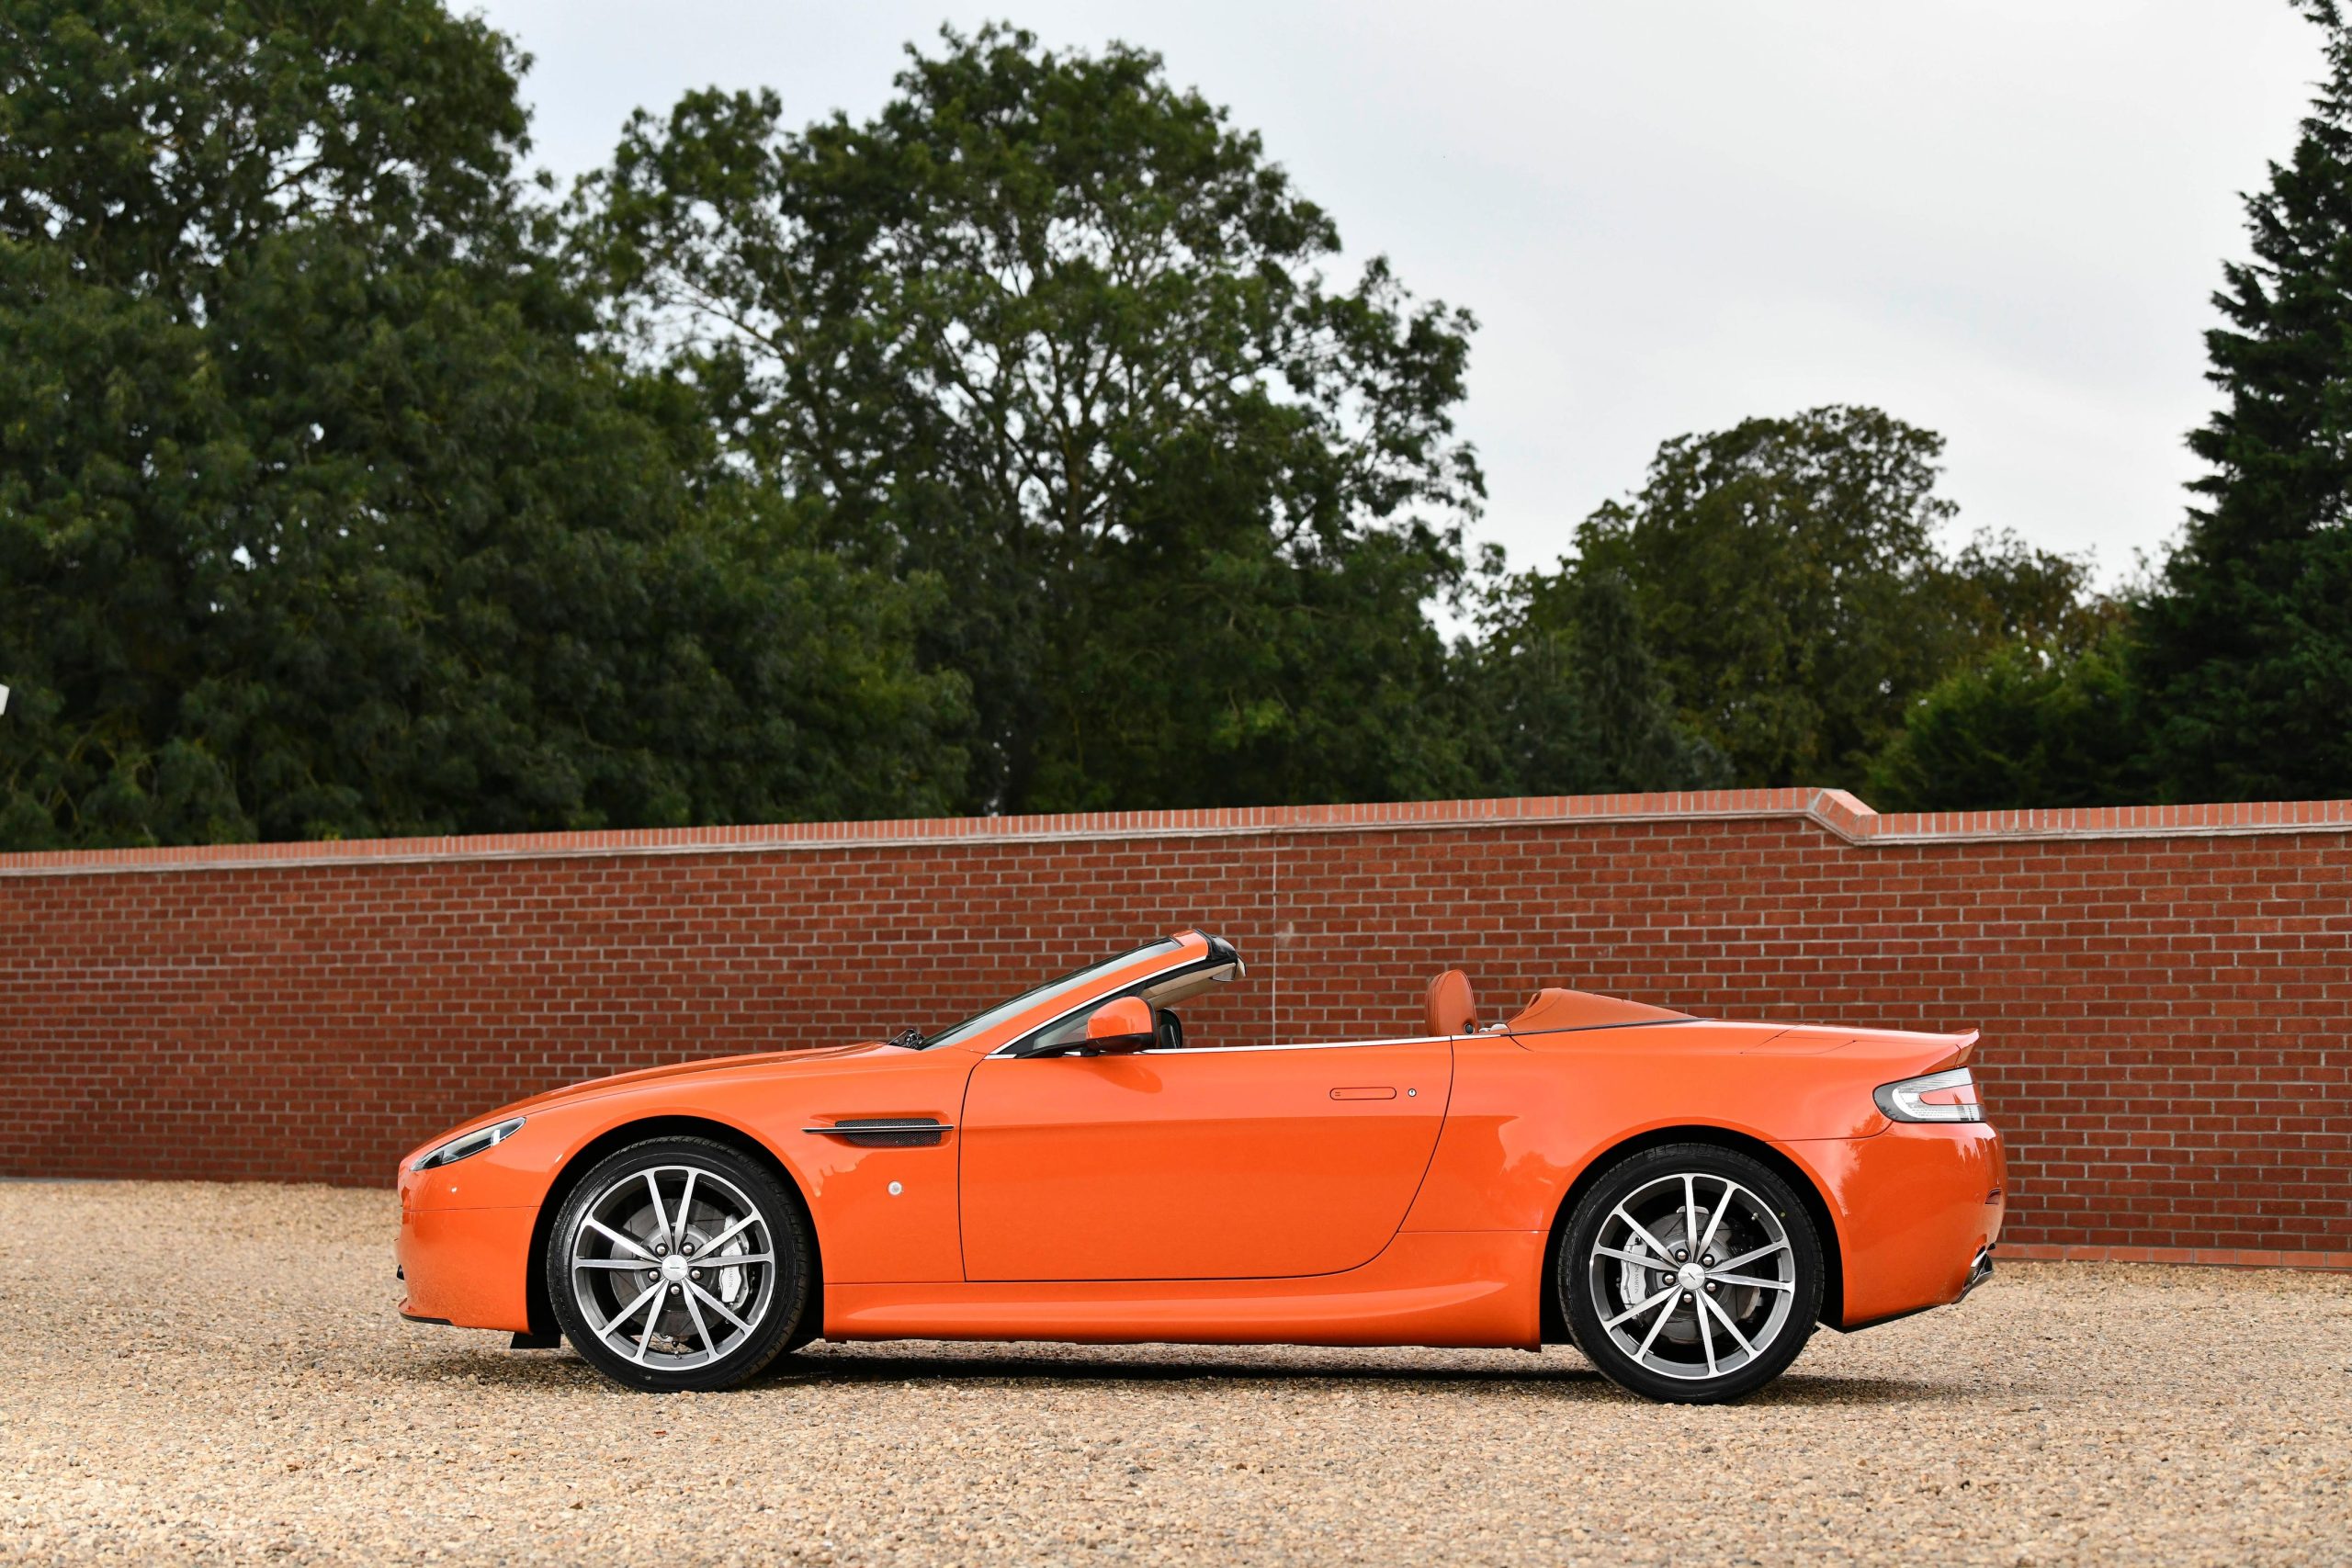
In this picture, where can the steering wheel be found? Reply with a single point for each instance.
(1171, 1030)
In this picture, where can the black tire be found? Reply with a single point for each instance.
(710, 1327)
(1620, 1255)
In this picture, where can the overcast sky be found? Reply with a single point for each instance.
(1999, 219)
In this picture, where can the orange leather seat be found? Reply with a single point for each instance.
(1452, 1009)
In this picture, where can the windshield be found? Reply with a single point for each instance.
(1071, 984)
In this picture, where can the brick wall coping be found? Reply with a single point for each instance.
(1834, 810)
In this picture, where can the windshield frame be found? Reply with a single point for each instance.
(1194, 977)
(1060, 987)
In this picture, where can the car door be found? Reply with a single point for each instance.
(1234, 1163)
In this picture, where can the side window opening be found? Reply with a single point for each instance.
(1160, 996)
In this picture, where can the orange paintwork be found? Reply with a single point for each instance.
(1386, 1191)
(1196, 1165)
(1553, 1008)
(1464, 1287)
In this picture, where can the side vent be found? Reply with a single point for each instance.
(887, 1132)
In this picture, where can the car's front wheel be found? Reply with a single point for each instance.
(1691, 1273)
(678, 1263)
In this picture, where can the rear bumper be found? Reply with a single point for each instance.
(1919, 1207)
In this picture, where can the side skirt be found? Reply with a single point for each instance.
(1441, 1288)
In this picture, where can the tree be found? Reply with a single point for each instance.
(2024, 726)
(1055, 330)
(317, 517)
(2245, 650)
(151, 140)
(1560, 687)
(1789, 578)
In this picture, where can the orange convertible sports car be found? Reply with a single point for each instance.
(1682, 1199)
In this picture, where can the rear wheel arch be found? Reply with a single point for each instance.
(1833, 1294)
(536, 1291)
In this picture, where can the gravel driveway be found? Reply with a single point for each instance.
(217, 1374)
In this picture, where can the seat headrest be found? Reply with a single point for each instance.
(1452, 1009)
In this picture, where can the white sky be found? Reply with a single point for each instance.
(1999, 219)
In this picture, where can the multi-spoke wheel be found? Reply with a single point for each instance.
(678, 1264)
(1691, 1273)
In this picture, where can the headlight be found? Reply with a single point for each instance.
(1938, 1097)
(472, 1143)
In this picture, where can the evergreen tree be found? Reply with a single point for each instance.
(2027, 725)
(2245, 650)
(1565, 698)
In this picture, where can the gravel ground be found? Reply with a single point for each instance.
(217, 1374)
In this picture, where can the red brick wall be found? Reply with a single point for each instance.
(2165, 994)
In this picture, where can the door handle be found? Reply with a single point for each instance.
(1381, 1092)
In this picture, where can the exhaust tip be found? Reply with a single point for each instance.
(1980, 1268)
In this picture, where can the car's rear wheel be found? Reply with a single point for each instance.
(678, 1263)
(1691, 1273)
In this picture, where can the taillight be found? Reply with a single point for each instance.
(1938, 1097)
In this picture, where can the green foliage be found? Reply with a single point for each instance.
(1789, 579)
(2025, 726)
(1252, 675)
(1014, 449)
(1053, 329)
(151, 140)
(2245, 650)
(316, 518)
(1562, 689)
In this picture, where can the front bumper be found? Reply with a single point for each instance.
(463, 1265)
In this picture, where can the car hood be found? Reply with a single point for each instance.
(706, 1068)
(616, 1083)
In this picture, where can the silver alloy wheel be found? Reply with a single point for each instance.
(1690, 1289)
(672, 1267)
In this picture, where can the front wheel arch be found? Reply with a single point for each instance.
(1555, 1329)
(539, 1295)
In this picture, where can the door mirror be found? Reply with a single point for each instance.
(1116, 1029)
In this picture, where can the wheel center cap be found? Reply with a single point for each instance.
(674, 1268)
(1690, 1276)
